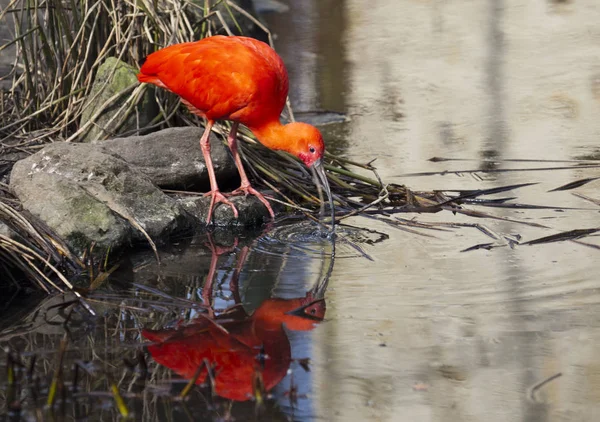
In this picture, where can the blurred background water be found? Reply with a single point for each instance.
(425, 332)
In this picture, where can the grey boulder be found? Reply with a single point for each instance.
(88, 196)
(172, 158)
(115, 78)
(251, 212)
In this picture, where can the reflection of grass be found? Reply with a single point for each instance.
(63, 361)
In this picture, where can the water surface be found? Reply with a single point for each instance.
(425, 332)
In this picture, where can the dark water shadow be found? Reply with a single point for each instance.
(243, 307)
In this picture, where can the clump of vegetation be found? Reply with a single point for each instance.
(58, 47)
(29, 248)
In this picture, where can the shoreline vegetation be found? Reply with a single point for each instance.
(58, 47)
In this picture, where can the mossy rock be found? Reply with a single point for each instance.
(88, 197)
(113, 77)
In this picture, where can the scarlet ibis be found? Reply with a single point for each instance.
(237, 345)
(239, 79)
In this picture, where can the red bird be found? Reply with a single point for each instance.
(239, 346)
(242, 80)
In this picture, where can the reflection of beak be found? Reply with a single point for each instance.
(299, 312)
(319, 170)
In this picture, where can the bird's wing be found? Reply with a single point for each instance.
(216, 79)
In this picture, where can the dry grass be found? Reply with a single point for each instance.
(32, 249)
(61, 44)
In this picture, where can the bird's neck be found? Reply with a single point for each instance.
(273, 135)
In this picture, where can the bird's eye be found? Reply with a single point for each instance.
(312, 150)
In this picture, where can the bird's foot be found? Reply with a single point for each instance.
(218, 197)
(249, 190)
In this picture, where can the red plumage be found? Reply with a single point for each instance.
(233, 343)
(232, 78)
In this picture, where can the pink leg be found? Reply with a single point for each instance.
(216, 195)
(207, 289)
(245, 187)
(234, 282)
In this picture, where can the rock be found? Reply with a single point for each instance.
(6, 231)
(115, 76)
(172, 158)
(252, 212)
(88, 196)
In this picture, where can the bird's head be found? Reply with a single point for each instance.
(307, 142)
(298, 314)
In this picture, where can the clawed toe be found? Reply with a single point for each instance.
(218, 197)
(249, 190)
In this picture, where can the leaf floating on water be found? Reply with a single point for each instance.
(586, 198)
(479, 214)
(527, 206)
(559, 237)
(486, 246)
(511, 170)
(452, 372)
(589, 245)
(485, 201)
(305, 364)
(439, 159)
(510, 160)
(465, 195)
(481, 192)
(535, 388)
(575, 184)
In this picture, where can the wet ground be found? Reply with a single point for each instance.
(422, 331)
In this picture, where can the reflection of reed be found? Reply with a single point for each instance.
(101, 369)
(246, 352)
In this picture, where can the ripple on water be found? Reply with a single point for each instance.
(313, 240)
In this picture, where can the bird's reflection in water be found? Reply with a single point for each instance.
(240, 355)
(240, 348)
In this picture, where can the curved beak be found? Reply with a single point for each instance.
(320, 179)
